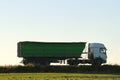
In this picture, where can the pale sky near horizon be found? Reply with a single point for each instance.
(59, 20)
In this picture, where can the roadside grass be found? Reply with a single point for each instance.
(57, 76)
(31, 72)
(105, 69)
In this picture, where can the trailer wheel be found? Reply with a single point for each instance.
(24, 61)
(73, 62)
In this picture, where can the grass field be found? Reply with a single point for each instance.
(57, 76)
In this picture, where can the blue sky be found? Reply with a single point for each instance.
(59, 20)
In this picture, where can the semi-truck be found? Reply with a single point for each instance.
(43, 53)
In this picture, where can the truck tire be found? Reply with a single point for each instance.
(97, 62)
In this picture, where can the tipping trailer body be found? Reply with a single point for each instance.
(50, 49)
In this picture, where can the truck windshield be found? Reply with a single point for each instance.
(103, 50)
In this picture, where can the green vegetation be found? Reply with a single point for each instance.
(105, 69)
(57, 76)
(31, 72)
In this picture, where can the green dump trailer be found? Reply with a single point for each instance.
(46, 52)
(43, 53)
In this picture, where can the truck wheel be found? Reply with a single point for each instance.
(97, 62)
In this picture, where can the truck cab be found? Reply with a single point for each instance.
(97, 53)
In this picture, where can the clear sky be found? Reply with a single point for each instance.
(59, 20)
